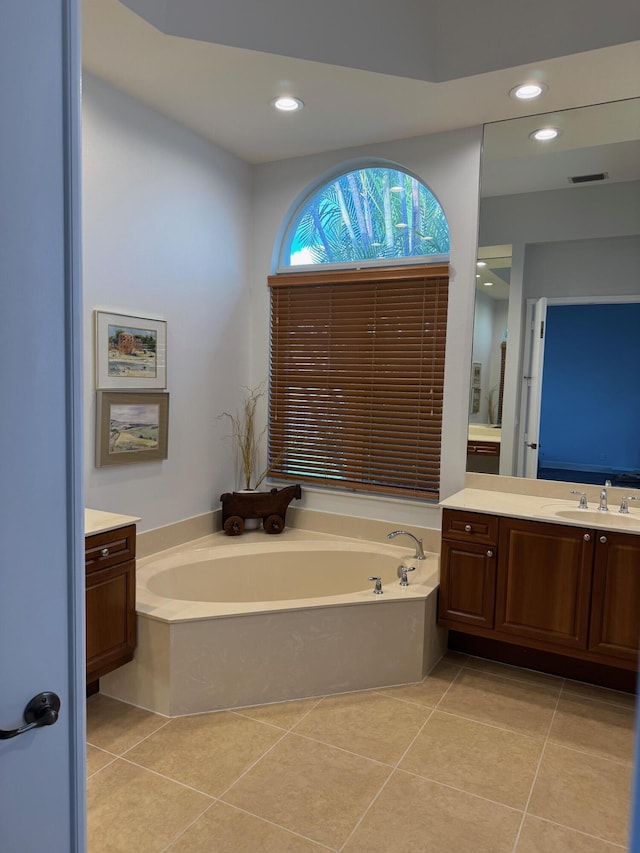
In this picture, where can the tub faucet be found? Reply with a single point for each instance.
(603, 507)
(419, 555)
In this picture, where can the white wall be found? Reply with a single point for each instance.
(449, 165)
(166, 231)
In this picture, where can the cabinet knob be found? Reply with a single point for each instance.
(467, 528)
(104, 552)
(489, 553)
(587, 537)
(603, 539)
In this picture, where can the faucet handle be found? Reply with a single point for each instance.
(624, 504)
(378, 587)
(583, 498)
(403, 573)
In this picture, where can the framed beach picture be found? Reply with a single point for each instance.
(131, 352)
(131, 427)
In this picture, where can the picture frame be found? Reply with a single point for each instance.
(131, 427)
(476, 374)
(475, 401)
(131, 352)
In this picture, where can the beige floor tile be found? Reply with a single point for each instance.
(480, 759)
(206, 751)
(282, 714)
(96, 759)
(429, 691)
(455, 657)
(414, 815)
(585, 792)
(315, 790)
(224, 829)
(129, 809)
(540, 836)
(518, 673)
(602, 694)
(370, 724)
(594, 727)
(514, 705)
(116, 726)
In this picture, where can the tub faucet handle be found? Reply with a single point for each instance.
(403, 574)
(377, 590)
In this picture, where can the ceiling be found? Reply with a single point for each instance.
(222, 92)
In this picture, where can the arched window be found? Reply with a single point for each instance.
(358, 338)
(370, 213)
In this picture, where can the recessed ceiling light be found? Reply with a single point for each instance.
(287, 104)
(545, 134)
(477, 275)
(481, 264)
(527, 91)
(488, 283)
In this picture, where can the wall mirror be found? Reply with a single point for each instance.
(553, 390)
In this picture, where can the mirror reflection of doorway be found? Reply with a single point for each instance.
(590, 402)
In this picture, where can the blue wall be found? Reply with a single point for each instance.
(590, 416)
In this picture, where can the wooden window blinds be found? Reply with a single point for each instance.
(356, 378)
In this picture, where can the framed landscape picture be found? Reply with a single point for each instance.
(131, 427)
(131, 352)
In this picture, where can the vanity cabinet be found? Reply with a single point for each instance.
(615, 612)
(468, 568)
(543, 590)
(551, 587)
(110, 600)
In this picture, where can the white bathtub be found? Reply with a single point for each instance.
(230, 622)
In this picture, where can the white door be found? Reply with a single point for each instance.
(41, 525)
(532, 385)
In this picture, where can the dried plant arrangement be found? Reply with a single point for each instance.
(247, 439)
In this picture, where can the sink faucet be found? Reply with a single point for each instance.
(419, 555)
(603, 501)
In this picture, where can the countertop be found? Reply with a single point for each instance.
(97, 521)
(539, 508)
(484, 432)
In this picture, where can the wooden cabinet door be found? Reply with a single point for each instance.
(467, 584)
(543, 585)
(615, 600)
(111, 618)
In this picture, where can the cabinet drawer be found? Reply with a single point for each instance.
(470, 527)
(108, 549)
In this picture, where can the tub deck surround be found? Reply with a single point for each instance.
(219, 575)
(196, 656)
(557, 506)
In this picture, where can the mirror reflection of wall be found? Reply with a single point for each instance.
(570, 211)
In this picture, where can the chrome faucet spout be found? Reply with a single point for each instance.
(419, 555)
(603, 501)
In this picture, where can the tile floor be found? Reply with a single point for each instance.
(477, 758)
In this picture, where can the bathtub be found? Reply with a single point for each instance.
(231, 622)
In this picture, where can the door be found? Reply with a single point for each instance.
(41, 525)
(532, 395)
(543, 585)
(615, 621)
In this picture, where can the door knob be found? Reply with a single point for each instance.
(42, 710)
